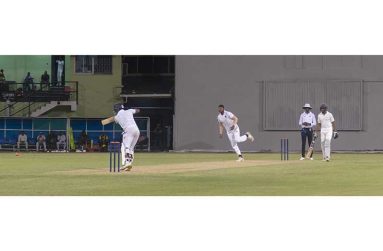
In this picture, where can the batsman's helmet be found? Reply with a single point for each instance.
(118, 107)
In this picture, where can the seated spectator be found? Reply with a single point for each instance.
(45, 80)
(51, 140)
(41, 140)
(103, 142)
(61, 141)
(142, 140)
(22, 139)
(83, 140)
(27, 81)
(19, 92)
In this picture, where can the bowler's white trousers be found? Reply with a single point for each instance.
(235, 137)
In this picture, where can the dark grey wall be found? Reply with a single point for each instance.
(203, 82)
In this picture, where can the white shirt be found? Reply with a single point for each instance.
(325, 120)
(308, 118)
(125, 118)
(60, 65)
(41, 138)
(22, 138)
(226, 119)
(61, 138)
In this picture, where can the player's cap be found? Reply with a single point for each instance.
(323, 106)
(307, 105)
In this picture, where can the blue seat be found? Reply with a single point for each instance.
(11, 141)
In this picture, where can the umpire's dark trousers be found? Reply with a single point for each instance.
(306, 133)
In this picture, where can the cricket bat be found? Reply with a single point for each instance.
(107, 121)
(311, 148)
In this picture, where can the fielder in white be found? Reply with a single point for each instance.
(229, 121)
(130, 135)
(60, 70)
(326, 125)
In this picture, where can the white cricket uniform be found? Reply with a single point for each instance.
(234, 135)
(130, 135)
(60, 69)
(326, 133)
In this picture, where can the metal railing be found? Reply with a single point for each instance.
(31, 108)
(36, 93)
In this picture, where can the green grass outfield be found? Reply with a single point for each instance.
(86, 174)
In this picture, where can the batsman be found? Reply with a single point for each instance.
(326, 125)
(130, 134)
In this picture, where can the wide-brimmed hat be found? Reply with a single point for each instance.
(307, 106)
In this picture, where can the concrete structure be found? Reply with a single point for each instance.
(240, 83)
(52, 105)
(97, 92)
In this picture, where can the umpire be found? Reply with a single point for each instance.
(307, 123)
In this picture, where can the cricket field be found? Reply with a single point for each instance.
(197, 174)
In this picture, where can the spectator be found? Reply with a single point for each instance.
(60, 70)
(2, 76)
(158, 133)
(8, 104)
(83, 140)
(27, 81)
(142, 141)
(103, 141)
(61, 141)
(51, 139)
(22, 139)
(45, 79)
(41, 140)
(2, 81)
